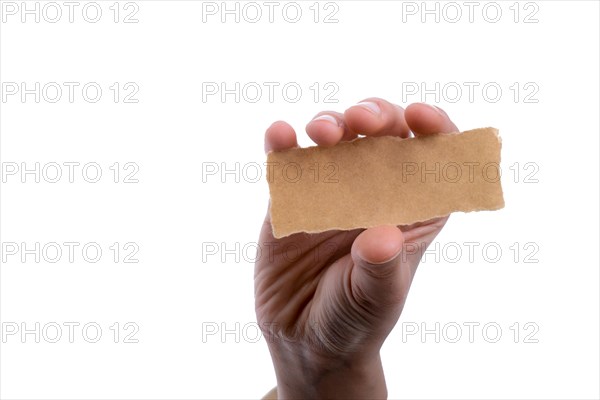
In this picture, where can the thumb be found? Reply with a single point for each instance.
(380, 279)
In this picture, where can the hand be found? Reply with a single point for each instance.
(326, 302)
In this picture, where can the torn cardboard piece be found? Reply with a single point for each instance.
(383, 180)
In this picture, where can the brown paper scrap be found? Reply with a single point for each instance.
(383, 180)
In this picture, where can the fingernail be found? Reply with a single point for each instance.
(327, 118)
(435, 108)
(371, 106)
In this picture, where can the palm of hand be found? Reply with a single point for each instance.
(305, 293)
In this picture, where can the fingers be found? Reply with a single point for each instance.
(425, 119)
(280, 136)
(379, 278)
(371, 117)
(327, 128)
(377, 117)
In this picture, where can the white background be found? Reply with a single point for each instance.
(178, 290)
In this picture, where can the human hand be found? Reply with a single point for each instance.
(326, 302)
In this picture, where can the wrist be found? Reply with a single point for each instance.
(301, 376)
